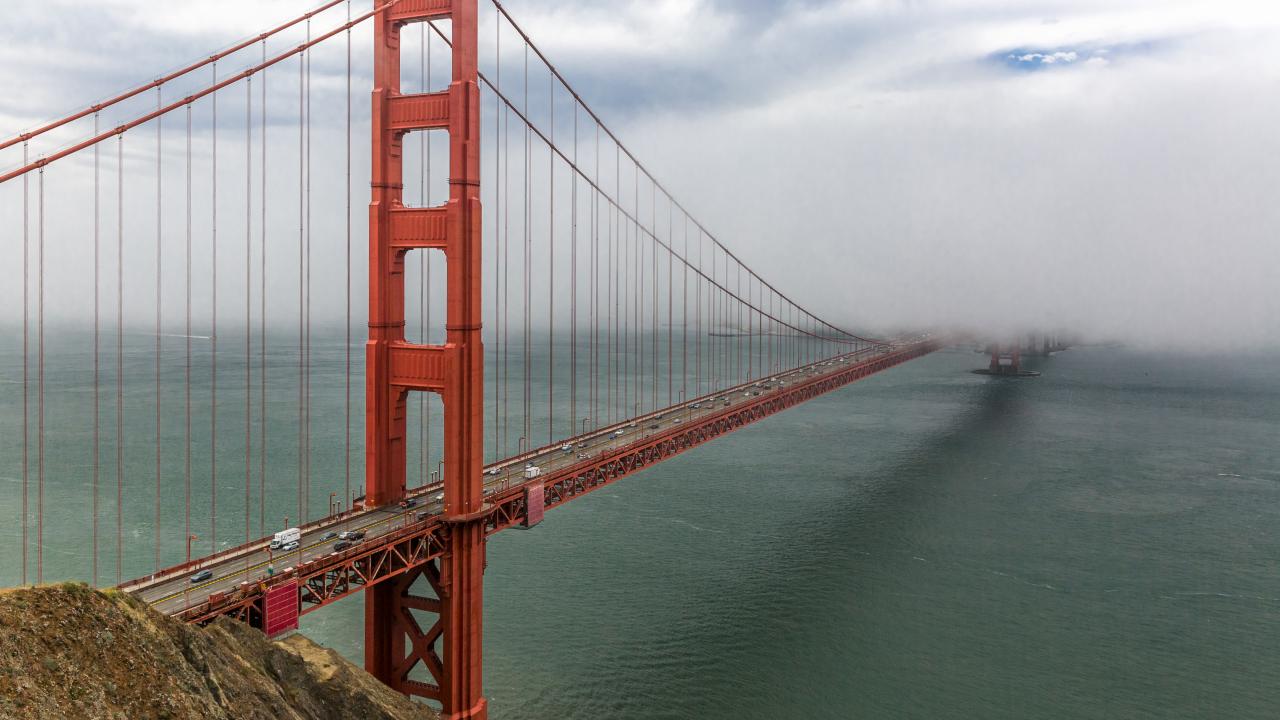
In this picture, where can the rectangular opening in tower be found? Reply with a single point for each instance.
(426, 58)
(425, 296)
(426, 168)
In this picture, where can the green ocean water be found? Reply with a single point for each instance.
(1098, 542)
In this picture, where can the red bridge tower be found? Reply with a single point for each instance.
(395, 643)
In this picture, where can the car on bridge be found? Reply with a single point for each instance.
(201, 576)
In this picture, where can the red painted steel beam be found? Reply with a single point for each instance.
(394, 644)
(574, 481)
(408, 550)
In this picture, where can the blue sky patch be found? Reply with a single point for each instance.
(1036, 59)
(1033, 59)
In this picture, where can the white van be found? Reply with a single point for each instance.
(286, 537)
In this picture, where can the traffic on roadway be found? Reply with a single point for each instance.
(173, 591)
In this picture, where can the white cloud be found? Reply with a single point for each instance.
(881, 164)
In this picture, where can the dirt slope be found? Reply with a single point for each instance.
(69, 652)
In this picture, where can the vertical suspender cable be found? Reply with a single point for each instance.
(624, 291)
(26, 356)
(637, 309)
(638, 299)
(262, 299)
(213, 336)
(159, 301)
(528, 251)
(346, 455)
(591, 293)
(248, 305)
(306, 285)
(653, 254)
(573, 284)
(497, 257)
(307, 374)
(726, 356)
(730, 327)
(302, 64)
(635, 276)
(119, 357)
(715, 367)
(506, 279)
(425, 159)
(684, 315)
(426, 273)
(186, 454)
(610, 337)
(40, 391)
(624, 288)
(671, 241)
(97, 264)
(595, 290)
(653, 243)
(738, 321)
(697, 305)
(641, 305)
(551, 261)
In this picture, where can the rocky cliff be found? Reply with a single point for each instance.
(67, 651)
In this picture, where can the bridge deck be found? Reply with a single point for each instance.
(397, 538)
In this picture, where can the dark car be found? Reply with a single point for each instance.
(357, 535)
(341, 545)
(408, 503)
(202, 576)
(329, 536)
(653, 426)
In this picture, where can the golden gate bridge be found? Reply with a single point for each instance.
(575, 321)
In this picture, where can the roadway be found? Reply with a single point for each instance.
(172, 591)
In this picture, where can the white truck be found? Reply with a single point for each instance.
(532, 471)
(285, 537)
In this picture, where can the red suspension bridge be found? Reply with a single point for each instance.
(575, 322)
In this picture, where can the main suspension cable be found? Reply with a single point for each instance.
(98, 107)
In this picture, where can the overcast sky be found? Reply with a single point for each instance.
(1106, 165)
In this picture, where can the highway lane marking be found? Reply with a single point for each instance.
(246, 570)
(551, 460)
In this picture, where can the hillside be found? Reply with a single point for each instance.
(67, 651)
